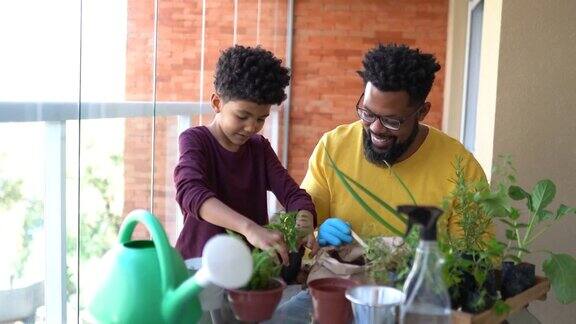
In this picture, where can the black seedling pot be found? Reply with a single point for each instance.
(290, 272)
(516, 278)
(476, 300)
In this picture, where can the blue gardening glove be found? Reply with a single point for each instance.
(334, 231)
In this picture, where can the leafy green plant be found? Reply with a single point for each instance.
(471, 255)
(387, 264)
(265, 267)
(521, 232)
(285, 223)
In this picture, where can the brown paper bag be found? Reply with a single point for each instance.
(345, 261)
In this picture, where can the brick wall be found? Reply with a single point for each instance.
(330, 37)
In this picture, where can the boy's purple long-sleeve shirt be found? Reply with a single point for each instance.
(238, 179)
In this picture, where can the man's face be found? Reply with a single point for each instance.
(240, 119)
(382, 143)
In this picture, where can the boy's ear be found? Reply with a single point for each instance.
(215, 103)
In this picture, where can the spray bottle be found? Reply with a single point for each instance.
(426, 297)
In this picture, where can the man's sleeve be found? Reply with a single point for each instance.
(316, 182)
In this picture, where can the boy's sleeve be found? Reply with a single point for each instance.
(286, 190)
(190, 175)
(315, 182)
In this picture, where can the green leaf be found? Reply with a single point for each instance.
(520, 225)
(495, 203)
(501, 308)
(513, 225)
(376, 198)
(511, 235)
(517, 193)
(542, 195)
(507, 222)
(514, 214)
(560, 269)
(563, 210)
(361, 201)
(543, 215)
(401, 183)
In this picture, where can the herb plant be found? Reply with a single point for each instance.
(387, 264)
(521, 232)
(285, 223)
(265, 267)
(471, 254)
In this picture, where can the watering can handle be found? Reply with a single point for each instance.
(159, 238)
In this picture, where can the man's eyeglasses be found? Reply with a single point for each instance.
(391, 123)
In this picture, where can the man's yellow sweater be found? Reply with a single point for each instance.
(427, 173)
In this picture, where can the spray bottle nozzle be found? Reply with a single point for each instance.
(425, 216)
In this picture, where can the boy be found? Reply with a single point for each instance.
(226, 168)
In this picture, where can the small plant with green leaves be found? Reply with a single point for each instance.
(285, 223)
(522, 232)
(265, 267)
(472, 253)
(388, 264)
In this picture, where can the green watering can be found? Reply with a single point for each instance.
(147, 281)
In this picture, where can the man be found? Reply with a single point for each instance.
(389, 131)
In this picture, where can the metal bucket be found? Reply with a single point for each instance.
(375, 304)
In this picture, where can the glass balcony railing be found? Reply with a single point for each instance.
(65, 189)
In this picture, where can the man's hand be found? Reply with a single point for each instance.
(304, 222)
(266, 239)
(334, 231)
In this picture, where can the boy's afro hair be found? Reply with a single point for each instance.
(397, 67)
(251, 74)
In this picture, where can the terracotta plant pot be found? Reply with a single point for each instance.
(329, 300)
(516, 278)
(290, 272)
(256, 305)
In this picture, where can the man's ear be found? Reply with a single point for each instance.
(424, 111)
(215, 103)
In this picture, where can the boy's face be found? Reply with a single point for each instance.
(239, 120)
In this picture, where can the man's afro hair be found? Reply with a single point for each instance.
(397, 67)
(251, 74)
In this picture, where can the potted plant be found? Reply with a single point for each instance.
(521, 232)
(472, 255)
(285, 223)
(257, 301)
(388, 260)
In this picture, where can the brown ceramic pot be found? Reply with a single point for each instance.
(329, 300)
(256, 305)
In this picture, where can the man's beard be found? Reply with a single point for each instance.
(391, 155)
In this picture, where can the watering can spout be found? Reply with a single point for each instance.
(226, 262)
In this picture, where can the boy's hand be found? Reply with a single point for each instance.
(334, 231)
(266, 239)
